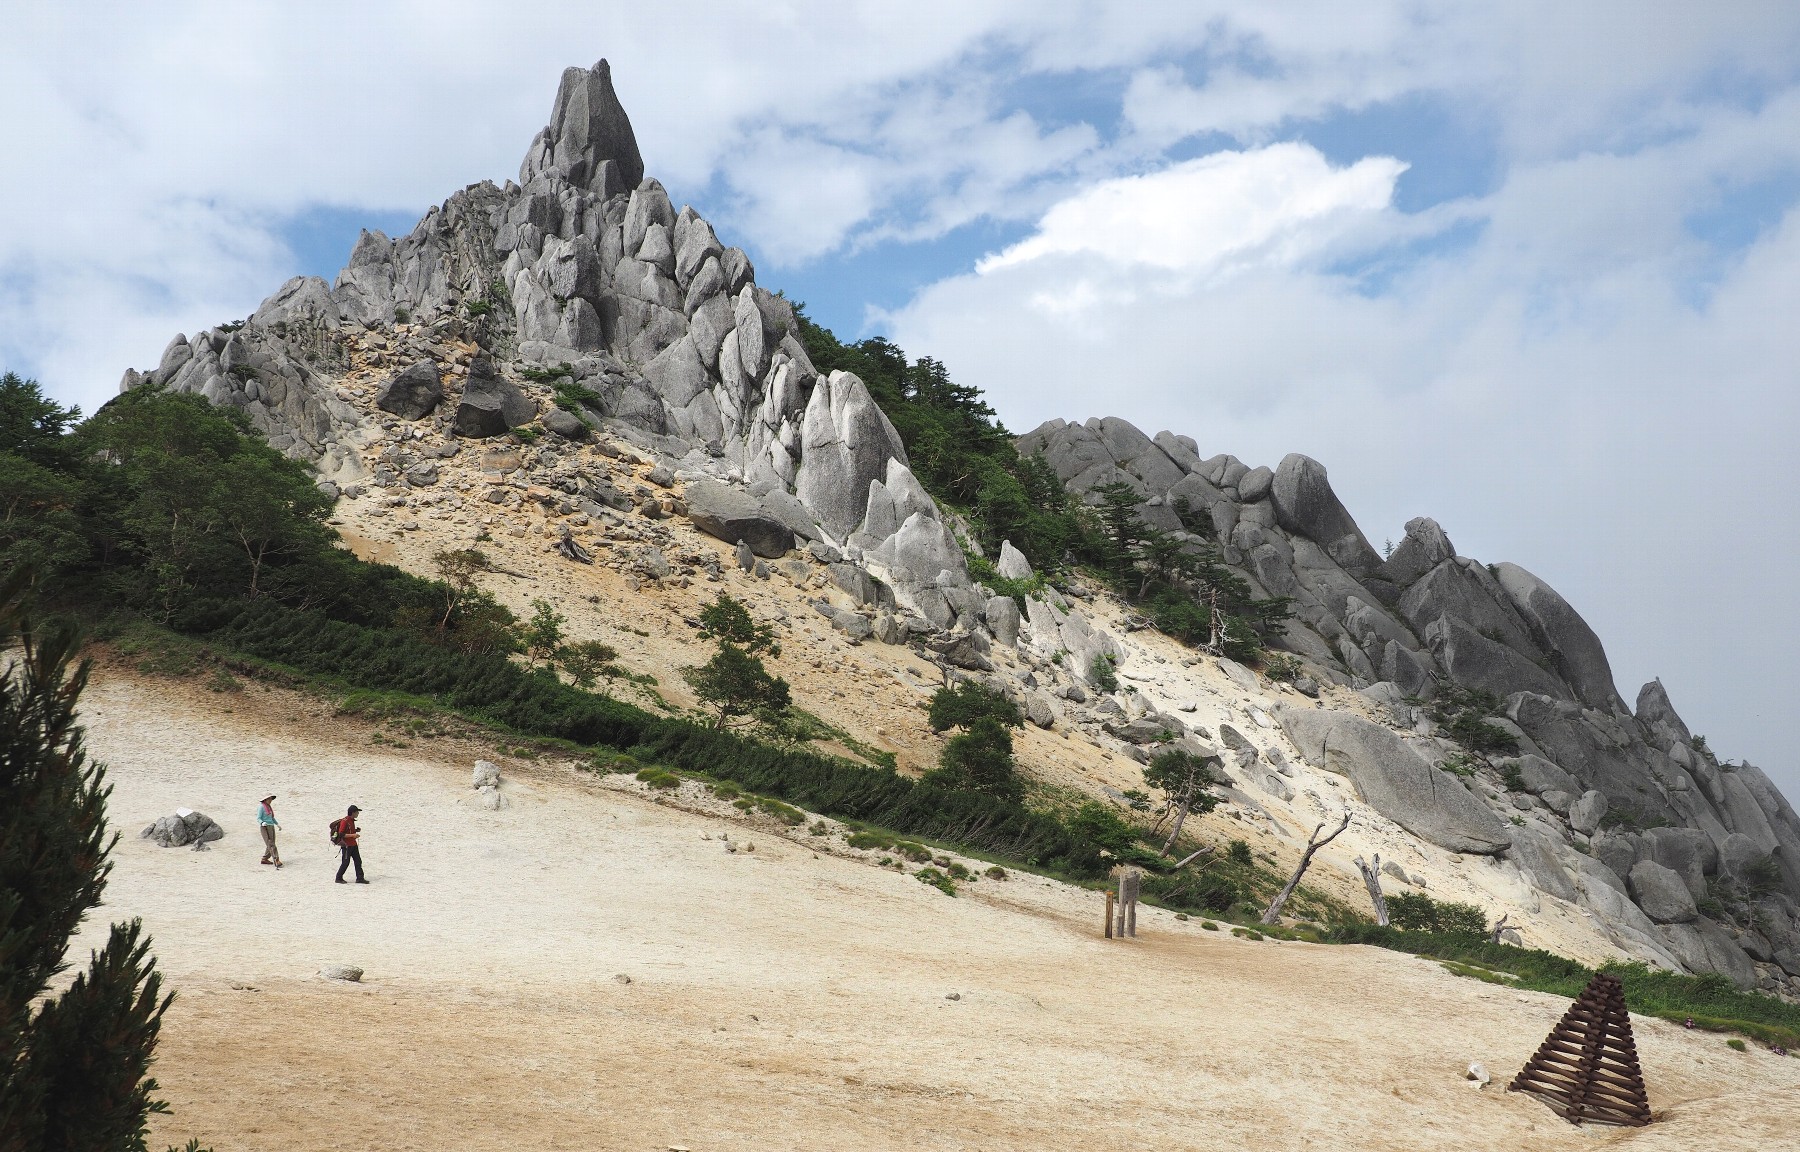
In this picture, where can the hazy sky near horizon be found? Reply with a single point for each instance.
(1530, 269)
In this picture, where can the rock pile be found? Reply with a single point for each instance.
(185, 827)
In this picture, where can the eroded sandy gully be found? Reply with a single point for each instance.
(788, 994)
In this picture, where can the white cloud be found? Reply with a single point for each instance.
(1209, 216)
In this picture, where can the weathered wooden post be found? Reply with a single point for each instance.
(1133, 879)
(1109, 913)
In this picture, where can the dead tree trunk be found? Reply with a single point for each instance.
(1203, 850)
(1371, 874)
(1187, 801)
(1313, 844)
(1501, 926)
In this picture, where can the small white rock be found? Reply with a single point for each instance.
(1478, 1076)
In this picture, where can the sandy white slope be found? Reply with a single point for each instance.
(780, 998)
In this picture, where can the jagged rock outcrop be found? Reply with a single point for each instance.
(1588, 768)
(586, 268)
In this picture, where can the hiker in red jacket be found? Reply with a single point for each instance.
(347, 837)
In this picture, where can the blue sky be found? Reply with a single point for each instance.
(1529, 269)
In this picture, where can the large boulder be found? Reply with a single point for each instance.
(1660, 892)
(1688, 852)
(731, 514)
(411, 394)
(589, 141)
(1560, 632)
(1424, 548)
(491, 405)
(1305, 503)
(1540, 776)
(1012, 563)
(845, 442)
(1586, 813)
(1396, 779)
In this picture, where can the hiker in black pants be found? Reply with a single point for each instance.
(347, 836)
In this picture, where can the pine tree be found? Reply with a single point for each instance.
(72, 1071)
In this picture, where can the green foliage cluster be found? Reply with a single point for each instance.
(958, 448)
(1417, 912)
(73, 1065)
(980, 757)
(1464, 713)
(734, 683)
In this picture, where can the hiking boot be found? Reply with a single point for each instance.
(360, 880)
(341, 880)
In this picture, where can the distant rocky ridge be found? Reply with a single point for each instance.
(583, 280)
(1679, 872)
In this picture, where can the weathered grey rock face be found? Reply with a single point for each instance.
(731, 515)
(1395, 779)
(1477, 661)
(1703, 946)
(1574, 651)
(1305, 503)
(1660, 892)
(589, 141)
(491, 405)
(412, 394)
(846, 442)
(1541, 776)
(1424, 548)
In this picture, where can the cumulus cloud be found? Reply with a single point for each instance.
(1209, 216)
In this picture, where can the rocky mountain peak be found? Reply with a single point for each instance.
(589, 141)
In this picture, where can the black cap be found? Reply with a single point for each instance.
(354, 808)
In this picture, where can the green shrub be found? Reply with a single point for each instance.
(1281, 667)
(659, 778)
(872, 841)
(1417, 912)
(1736, 1045)
(936, 879)
(1239, 853)
(995, 873)
(1101, 675)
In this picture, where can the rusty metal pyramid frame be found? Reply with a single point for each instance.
(1586, 1070)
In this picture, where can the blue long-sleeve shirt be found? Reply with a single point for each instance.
(266, 816)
